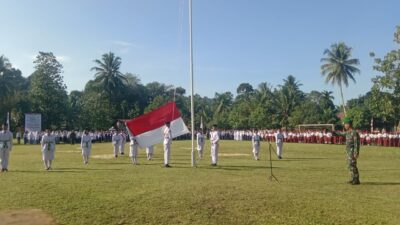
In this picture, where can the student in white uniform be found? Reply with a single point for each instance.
(86, 145)
(214, 139)
(123, 141)
(48, 145)
(133, 147)
(255, 140)
(167, 144)
(150, 152)
(279, 143)
(200, 143)
(116, 142)
(6, 144)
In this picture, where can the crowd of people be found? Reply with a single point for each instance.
(64, 136)
(376, 138)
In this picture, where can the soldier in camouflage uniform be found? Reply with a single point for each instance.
(352, 150)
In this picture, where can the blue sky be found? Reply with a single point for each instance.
(235, 41)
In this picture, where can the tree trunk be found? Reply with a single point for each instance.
(344, 106)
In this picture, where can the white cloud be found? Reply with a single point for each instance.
(63, 58)
(122, 43)
(124, 46)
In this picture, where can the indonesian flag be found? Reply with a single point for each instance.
(148, 128)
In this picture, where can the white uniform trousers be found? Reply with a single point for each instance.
(279, 147)
(167, 152)
(214, 153)
(4, 156)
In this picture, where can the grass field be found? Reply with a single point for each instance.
(311, 187)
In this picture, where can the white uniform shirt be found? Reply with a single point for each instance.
(48, 142)
(214, 137)
(6, 140)
(255, 139)
(116, 139)
(86, 141)
(167, 136)
(200, 140)
(279, 137)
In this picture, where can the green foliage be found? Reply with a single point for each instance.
(47, 91)
(311, 188)
(339, 67)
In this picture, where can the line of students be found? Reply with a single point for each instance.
(48, 146)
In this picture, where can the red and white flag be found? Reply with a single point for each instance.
(148, 128)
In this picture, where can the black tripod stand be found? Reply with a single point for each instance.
(271, 176)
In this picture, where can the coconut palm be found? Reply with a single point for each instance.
(339, 67)
(108, 75)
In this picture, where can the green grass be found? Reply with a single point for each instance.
(311, 188)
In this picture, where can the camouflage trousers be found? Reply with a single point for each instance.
(352, 165)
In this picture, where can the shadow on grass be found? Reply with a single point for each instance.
(83, 169)
(48, 171)
(113, 163)
(380, 183)
(301, 159)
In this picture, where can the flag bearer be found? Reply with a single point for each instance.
(123, 141)
(134, 147)
(167, 144)
(116, 141)
(150, 152)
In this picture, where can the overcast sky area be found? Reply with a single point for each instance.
(235, 41)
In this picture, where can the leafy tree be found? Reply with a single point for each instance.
(389, 82)
(47, 90)
(287, 98)
(339, 67)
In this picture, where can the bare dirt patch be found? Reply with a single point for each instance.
(233, 154)
(26, 217)
(104, 156)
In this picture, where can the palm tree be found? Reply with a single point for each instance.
(339, 67)
(327, 98)
(108, 75)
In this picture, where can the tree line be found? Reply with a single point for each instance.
(113, 95)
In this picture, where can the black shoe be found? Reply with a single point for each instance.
(355, 182)
(167, 165)
(279, 157)
(122, 153)
(213, 164)
(116, 156)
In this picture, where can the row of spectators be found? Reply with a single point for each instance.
(377, 138)
(70, 137)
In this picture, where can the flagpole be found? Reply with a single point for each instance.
(8, 120)
(191, 81)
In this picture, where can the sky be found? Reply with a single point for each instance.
(234, 41)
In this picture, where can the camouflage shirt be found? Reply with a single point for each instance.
(352, 142)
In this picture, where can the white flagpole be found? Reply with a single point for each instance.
(8, 120)
(191, 81)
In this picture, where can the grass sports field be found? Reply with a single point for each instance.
(311, 188)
